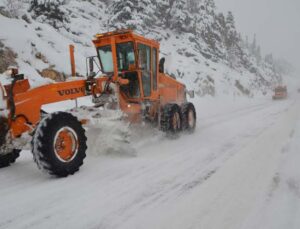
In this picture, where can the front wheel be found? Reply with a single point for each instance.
(7, 159)
(59, 144)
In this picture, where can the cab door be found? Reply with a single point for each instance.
(154, 69)
(144, 52)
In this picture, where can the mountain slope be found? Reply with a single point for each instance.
(202, 47)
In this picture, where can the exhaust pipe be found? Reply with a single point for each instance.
(72, 60)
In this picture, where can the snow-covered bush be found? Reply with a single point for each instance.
(138, 15)
(49, 11)
(11, 8)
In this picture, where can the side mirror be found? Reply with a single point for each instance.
(162, 65)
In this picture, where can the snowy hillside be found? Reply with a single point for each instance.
(202, 47)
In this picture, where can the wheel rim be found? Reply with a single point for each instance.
(66, 144)
(176, 121)
(191, 119)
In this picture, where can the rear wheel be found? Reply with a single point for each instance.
(7, 159)
(188, 117)
(59, 144)
(171, 120)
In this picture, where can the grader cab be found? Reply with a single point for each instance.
(133, 61)
(130, 79)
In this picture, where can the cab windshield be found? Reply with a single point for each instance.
(125, 57)
(106, 60)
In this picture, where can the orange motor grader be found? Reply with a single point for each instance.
(131, 73)
(280, 92)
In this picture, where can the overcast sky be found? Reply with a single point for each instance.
(275, 22)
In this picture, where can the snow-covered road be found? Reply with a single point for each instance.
(225, 175)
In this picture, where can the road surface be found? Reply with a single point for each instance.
(223, 176)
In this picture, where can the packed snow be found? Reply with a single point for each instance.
(238, 170)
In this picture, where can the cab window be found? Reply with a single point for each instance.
(125, 56)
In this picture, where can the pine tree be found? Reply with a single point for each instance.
(138, 15)
(233, 42)
(253, 46)
(49, 11)
(247, 42)
(146, 12)
(210, 6)
(193, 6)
(209, 28)
(181, 20)
(269, 59)
(221, 21)
(123, 13)
(163, 12)
(221, 27)
(232, 36)
(258, 55)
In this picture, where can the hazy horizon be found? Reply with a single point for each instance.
(275, 23)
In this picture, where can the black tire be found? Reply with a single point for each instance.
(169, 113)
(189, 117)
(46, 142)
(4, 129)
(7, 159)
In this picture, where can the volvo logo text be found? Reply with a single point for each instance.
(71, 91)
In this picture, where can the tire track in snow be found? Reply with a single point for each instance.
(159, 195)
